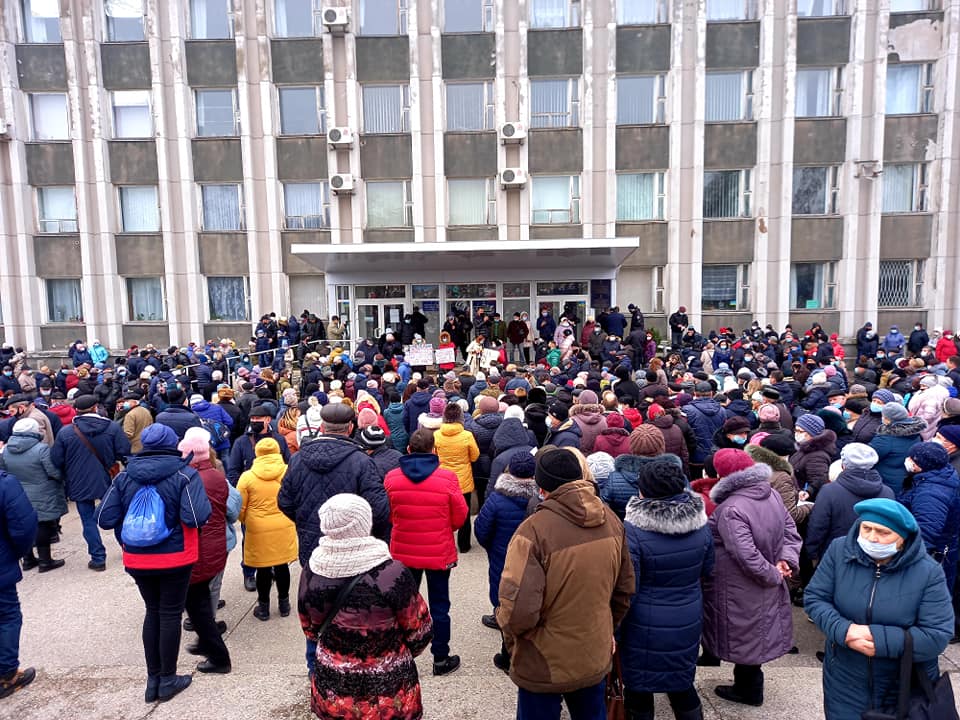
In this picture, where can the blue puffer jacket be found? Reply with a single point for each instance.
(567, 434)
(18, 529)
(499, 518)
(399, 436)
(622, 484)
(671, 549)
(705, 417)
(185, 503)
(84, 476)
(478, 387)
(179, 419)
(892, 443)
(214, 413)
(512, 435)
(483, 429)
(934, 501)
(416, 404)
(28, 459)
(322, 468)
(909, 591)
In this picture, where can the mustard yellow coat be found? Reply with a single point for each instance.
(271, 537)
(457, 450)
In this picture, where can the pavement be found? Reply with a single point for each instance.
(82, 634)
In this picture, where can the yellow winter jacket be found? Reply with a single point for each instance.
(271, 537)
(457, 450)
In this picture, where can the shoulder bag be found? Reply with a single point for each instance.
(616, 708)
(342, 596)
(113, 470)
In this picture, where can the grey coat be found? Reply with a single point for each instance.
(27, 458)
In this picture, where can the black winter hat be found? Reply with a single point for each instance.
(779, 443)
(555, 467)
(558, 410)
(660, 478)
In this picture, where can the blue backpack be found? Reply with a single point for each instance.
(219, 432)
(144, 524)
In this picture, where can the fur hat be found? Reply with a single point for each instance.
(929, 456)
(660, 478)
(728, 461)
(555, 467)
(780, 444)
(647, 441)
(736, 425)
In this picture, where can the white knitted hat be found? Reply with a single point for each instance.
(346, 516)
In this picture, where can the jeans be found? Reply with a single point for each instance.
(438, 598)
(203, 617)
(463, 534)
(164, 595)
(265, 578)
(516, 352)
(585, 704)
(91, 533)
(642, 702)
(11, 620)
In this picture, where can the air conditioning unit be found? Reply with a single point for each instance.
(513, 178)
(336, 19)
(512, 132)
(342, 183)
(340, 137)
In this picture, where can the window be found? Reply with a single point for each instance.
(641, 12)
(386, 108)
(555, 103)
(659, 287)
(462, 16)
(131, 114)
(211, 19)
(641, 100)
(820, 8)
(725, 287)
(306, 205)
(813, 286)
(556, 199)
(729, 96)
(901, 283)
(905, 188)
(64, 301)
(389, 204)
(472, 201)
(228, 298)
(216, 113)
(297, 18)
(913, 5)
(57, 209)
(124, 20)
(731, 9)
(815, 190)
(139, 210)
(909, 88)
(727, 194)
(302, 110)
(145, 299)
(640, 196)
(222, 207)
(41, 21)
(383, 17)
(470, 106)
(50, 118)
(554, 13)
(819, 92)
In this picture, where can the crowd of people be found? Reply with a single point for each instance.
(664, 504)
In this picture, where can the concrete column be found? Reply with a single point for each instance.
(421, 109)
(438, 122)
(345, 72)
(607, 75)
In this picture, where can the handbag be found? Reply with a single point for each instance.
(616, 708)
(112, 470)
(919, 698)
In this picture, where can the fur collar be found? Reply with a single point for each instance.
(827, 441)
(586, 409)
(904, 428)
(755, 475)
(515, 487)
(678, 515)
(768, 457)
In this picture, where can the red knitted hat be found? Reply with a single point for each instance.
(727, 461)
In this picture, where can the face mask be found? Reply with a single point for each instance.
(256, 427)
(45, 393)
(875, 407)
(800, 437)
(838, 403)
(544, 314)
(847, 416)
(598, 330)
(127, 406)
(878, 551)
(924, 354)
(8, 373)
(880, 356)
(917, 327)
(748, 358)
(739, 439)
(910, 466)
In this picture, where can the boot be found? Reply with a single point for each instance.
(172, 685)
(445, 666)
(153, 687)
(747, 688)
(16, 679)
(262, 611)
(30, 561)
(694, 714)
(283, 605)
(640, 715)
(46, 562)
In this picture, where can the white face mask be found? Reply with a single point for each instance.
(800, 437)
(877, 551)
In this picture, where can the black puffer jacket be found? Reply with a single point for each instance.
(483, 428)
(536, 417)
(510, 437)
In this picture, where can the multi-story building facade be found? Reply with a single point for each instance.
(171, 170)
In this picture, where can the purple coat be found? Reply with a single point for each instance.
(747, 614)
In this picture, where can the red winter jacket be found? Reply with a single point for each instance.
(614, 440)
(426, 506)
(213, 540)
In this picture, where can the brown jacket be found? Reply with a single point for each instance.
(782, 482)
(567, 582)
(137, 419)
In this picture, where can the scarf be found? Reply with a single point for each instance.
(348, 557)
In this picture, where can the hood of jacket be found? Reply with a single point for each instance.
(199, 407)
(419, 466)
(587, 414)
(270, 468)
(739, 407)
(708, 406)
(768, 457)
(324, 453)
(451, 429)
(91, 424)
(903, 428)
(862, 483)
(677, 515)
(515, 487)
(511, 433)
(577, 502)
(149, 468)
(489, 421)
(20, 443)
(753, 482)
(663, 421)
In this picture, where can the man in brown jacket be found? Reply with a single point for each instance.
(566, 585)
(136, 419)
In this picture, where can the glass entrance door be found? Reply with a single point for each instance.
(575, 306)
(375, 317)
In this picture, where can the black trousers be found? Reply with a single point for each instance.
(265, 578)
(463, 534)
(642, 702)
(201, 614)
(46, 529)
(164, 595)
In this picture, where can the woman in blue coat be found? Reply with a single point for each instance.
(869, 587)
(671, 549)
(897, 433)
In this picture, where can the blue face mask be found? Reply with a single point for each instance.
(875, 407)
(847, 415)
(878, 551)
(739, 439)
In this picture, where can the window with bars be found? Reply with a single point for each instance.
(821, 8)
(222, 207)
(813, 286)
(642, 12)
(56, 209)
(306, 205)
(49, 117)
(725, 287)
(718, 10)
(554, 13)
(145, 300)
(904, 188)
(641, 99)
(124, 20)
(465, 16)
(472, 201)
(816, 190)
(729, 96)
(139, 209)
(229, 299)
(640, 196)
(819, 92)
(727, 193)
(217, 112)
(41, 21)
(555, 103)
(131, 114)
(555, 199)
(389, 203)
(211, 19)
(901, 283)
(909, 88)
(302, 110)
(386, 109)
(383, 17)
(470, 106)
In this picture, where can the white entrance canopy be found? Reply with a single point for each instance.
(575, 254)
